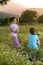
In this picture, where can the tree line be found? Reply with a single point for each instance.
(27, 16)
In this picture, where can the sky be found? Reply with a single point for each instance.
(29, 3)
(17, 6)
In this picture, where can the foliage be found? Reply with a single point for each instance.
(3, 2)
(4, 22)
(22, 55)
(40, 19)
(28, 16)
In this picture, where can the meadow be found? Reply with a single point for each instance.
(22, 55)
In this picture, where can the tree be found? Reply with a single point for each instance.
(4, 22)
(28, 16)
(3, 2)
(40, 19)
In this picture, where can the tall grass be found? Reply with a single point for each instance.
(22, 55)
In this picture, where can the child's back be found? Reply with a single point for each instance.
(32, 41)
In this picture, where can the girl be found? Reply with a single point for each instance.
(14, 30)
(33, 40)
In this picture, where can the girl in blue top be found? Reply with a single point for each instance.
(33, 40)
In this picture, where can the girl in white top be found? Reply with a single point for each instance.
(14, 30)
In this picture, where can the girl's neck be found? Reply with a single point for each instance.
(32, 34)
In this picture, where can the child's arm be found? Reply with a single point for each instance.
(13, 30)
(38, 42)
(16, 31)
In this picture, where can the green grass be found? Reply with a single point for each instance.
(22, 55)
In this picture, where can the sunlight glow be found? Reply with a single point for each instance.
(29, 3)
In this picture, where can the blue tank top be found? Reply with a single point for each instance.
(32, 41)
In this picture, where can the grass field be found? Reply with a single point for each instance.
(22, 55)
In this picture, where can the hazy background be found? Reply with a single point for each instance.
(17, 6)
